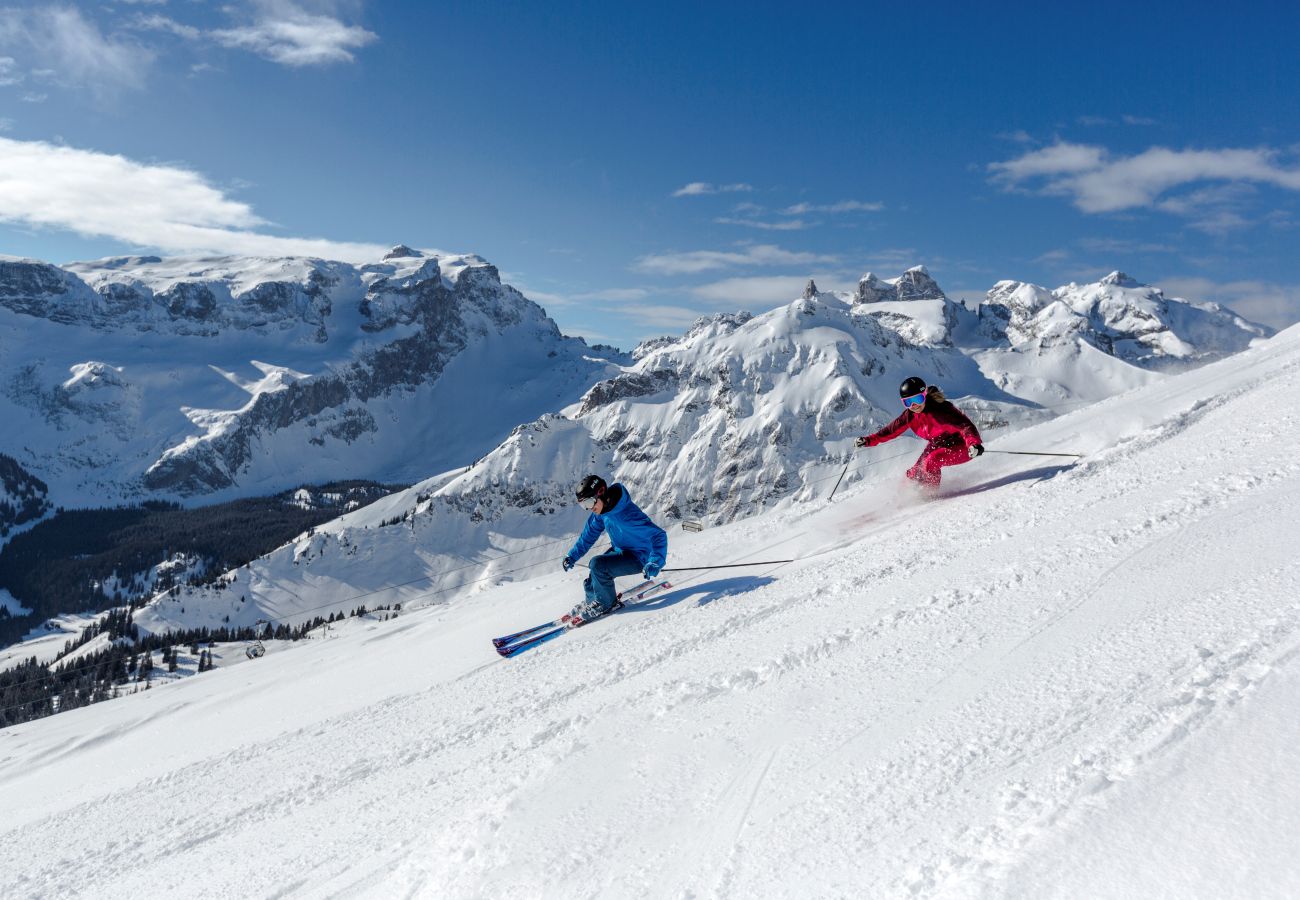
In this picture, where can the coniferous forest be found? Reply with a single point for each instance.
(89, 560)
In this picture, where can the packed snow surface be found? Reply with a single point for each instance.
(1057, 679)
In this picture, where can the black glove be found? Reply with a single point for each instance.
(976, 450)
(567, 563)
(863, 441)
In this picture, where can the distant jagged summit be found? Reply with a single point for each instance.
(401, 251)
(914, 284)
(1121, 280)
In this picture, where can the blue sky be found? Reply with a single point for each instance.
(633, 166)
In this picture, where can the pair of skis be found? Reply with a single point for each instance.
(512, 644)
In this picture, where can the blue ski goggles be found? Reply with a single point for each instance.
(914, 401)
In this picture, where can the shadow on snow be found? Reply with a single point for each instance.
(706, 592)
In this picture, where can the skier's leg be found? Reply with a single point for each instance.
(604, 569)
(939, 457)
(917, 472)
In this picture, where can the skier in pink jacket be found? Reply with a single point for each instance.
(951, 437)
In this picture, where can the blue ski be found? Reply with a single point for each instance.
(510, 644)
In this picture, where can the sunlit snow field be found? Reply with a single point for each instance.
(1058, 679)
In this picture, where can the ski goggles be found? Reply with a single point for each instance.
(588, 503)
(915, 400)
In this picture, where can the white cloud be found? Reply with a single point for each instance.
(699, 188)
(166, 207)
(787, 225)
(286, 33)
(1098, 182)
(695, 261)
(801, 209)
(760, 291)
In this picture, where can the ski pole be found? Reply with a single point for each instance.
(771, 562)
(841, 478)
(1027, 453)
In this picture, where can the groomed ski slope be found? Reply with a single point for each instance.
(1056, 681)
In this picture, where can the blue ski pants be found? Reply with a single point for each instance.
(604, 569)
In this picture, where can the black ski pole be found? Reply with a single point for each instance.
(1027, 453)
(770, 562)
(841, 478)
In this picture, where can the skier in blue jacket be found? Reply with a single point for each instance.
(637, 544)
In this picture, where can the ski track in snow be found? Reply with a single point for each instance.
(906, 711)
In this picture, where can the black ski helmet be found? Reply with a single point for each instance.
(591, 486)
(911, 387)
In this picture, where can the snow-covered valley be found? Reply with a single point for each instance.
(1059, 679)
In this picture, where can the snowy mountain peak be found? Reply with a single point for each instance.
(1121, 279)
(871, 289)
(401, 251)
(914, 284)
(810, 290)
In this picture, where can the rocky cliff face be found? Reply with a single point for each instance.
(127, 372)
(23, 497)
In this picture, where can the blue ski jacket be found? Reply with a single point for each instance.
(629, 529)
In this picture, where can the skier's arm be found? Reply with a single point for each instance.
(889, 432)
(658, 549)
(967, 428)
(594, 528)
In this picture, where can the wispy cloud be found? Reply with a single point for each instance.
(1106, 121)
(9, 73)
(169, 208)
(747, 215)
(73, 50)
(1118, 245)
(696, 261)
(1097, 181)
(1016, 137)
(666, 316)
(1271, 303)
(784, 225)
(287, 33)
(843, 206)
(700, 188)
(157, 22)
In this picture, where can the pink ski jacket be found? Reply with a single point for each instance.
(939, 422)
